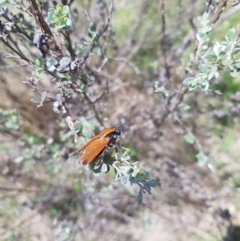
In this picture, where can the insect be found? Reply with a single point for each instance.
(97, 144)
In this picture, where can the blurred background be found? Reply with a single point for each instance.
(188, 140)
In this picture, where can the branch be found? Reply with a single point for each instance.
(44, 26)
(101, 32)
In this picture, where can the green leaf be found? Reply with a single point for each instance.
(234, 73)
(142, 176)
(147, 187)
(189, 138)
(51, 16)
(140, 197)
(202, 68)
(65, 9)
(189, 80)
(124, 180)
(43, 96)
(19, 159)
(59, 7)
(230, 35)
(107, 158)
(105, 168)
(39, 62)
(204, 85)
(130, 171)
(153, 183)
(202, 159)
(35, 100)
(77, 186)
(98, 169)
(133, 180)
(82, 88)
(78, 126)
(85, 78)
(193, 85)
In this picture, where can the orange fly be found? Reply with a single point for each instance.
(96, 145)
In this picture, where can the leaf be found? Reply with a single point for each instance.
(19, 159)
(189, 138)
(105, 168)
(98, 169)
(35, 100)
(133, 180)
(107, 157)
(39, 62)
(59, 7)
(202, 68)
(65, 9)
(202, 159)
(124, 180)
(51, 16)
(43, 96)
(85, 78)
(3, 10)
(230, 35)
(78, 126)
(204, 85)
(77, 186)
(140, 197)
(130, 171)
(189, 80)
(147, 187)
(234, 73)
(82, 88)
(153, 183)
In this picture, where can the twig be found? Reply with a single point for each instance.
(18, 53)
(44, 26)
(163, 39)
(70, 49)
(94, 108)
(101, 32)
(68, 118)
(221, 6)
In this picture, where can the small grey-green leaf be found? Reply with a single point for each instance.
(230, 35)
(124, 180)
(140, 197)
(130, 171)
(189, 138)
(35, 100)
(153, 183)
(82, 88)
(104, 168)
(39, 62)
(189, 80)
(98, 169)
(43, 96)
(19, 159)
(234, 73)
(70, 133)
(202, 159)
(85, 78)
(133, 180)
(78, 126)
(204, 85)
(202, 68)
(147, 187)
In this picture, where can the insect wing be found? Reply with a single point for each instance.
(84, 146)
(106, 132)
(92, 150)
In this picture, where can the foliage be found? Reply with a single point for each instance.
(96, 64)
(214, 57)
